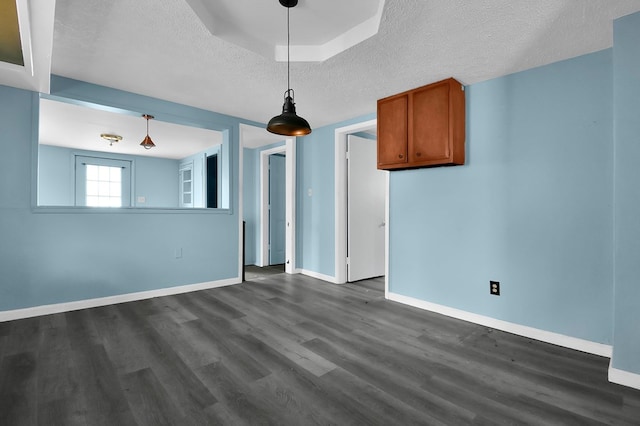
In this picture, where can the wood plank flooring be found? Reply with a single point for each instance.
(254, 273)
(293, 350)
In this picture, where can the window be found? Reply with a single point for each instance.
(103, 182)
(103, 186)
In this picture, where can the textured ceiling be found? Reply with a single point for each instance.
(161, 48)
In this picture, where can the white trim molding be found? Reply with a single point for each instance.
(318, 275)
(387, 233)
(240, 192)
(111, 300)
(521, 330)
(289, 149)
(624, 378)
(340, 191)
(263, 259)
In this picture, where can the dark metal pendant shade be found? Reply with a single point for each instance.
(289, 123)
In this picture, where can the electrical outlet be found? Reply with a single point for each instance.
(494, 288)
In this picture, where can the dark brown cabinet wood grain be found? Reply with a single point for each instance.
(423, 127)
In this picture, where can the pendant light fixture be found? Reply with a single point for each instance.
(289, 123)
(147, 143)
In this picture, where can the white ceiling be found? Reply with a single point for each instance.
(162, 48)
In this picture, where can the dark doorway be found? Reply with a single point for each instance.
(212, 181)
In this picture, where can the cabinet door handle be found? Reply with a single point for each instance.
(400, 156)
(418, 154)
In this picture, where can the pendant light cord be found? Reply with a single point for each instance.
(288, 54)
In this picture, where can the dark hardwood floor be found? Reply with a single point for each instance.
(253, 273)
(292, 350)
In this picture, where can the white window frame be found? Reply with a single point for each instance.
(81, 177)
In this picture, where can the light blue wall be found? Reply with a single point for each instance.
(626, 63)
(156, 179)
(532, 207)
(315, 217)
(56, 180)
(51, 256)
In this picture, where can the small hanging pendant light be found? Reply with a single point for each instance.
(147, 143)
(289, 123)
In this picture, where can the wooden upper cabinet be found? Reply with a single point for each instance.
(424, 127)
(393, 128)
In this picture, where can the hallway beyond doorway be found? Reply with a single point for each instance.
(254, 273)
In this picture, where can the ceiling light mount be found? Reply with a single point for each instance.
(289, 123)
(111, 138)
(147, 143)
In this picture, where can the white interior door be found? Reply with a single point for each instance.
(365, 211)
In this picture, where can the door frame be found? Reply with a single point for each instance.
(358, 187)
(341, 193)
(289, 148)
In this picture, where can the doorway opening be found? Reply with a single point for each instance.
(273, 160)
(366, 197)
(342, 199)
(212, 181)
(258, 150)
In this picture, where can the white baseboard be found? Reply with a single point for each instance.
(111, 300)
(521, 330)
(317, 275)
(624, 378)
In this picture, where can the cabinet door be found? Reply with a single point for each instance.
(429, 141)
(392, 130)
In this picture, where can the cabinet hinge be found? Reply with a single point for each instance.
(346, 155)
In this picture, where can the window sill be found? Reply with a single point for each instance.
(127, 210)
